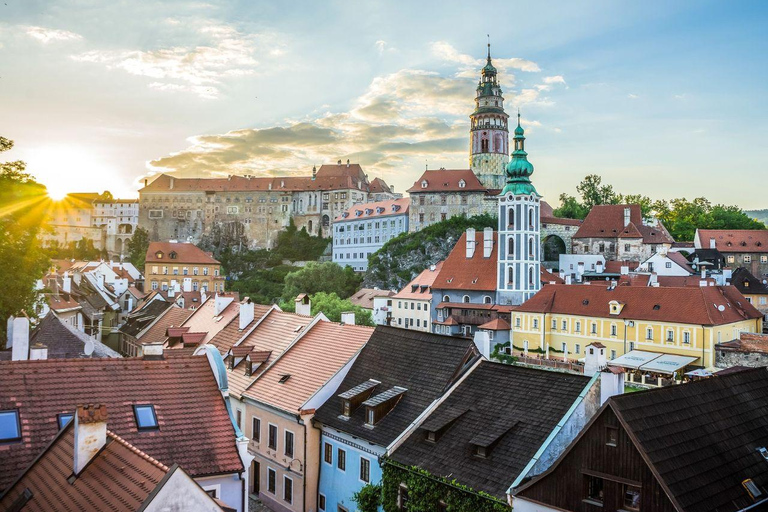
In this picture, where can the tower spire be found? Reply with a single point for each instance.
(489, 47)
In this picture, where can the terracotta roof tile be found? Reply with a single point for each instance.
(497, 324)
(376, 210)
(461, 273)
(364, 297)
(421, 285)
(734, 240)
(204, 319)
(689, 305)
(607, 221)
(42, 389)
(185, 253)
(231, 334)
(321, 352)
(157, 332)
(447, 180)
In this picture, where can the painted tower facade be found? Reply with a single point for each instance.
(519, 264)
(489, 133)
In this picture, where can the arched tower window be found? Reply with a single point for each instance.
(511, 215)
(484, 145)
(530, 277)
(530, 217)
(511, 248)
(530, 247)
(511, 275)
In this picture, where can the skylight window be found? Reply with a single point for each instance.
(64, 419)
(10, 428)
(284, 378)
(146, 419)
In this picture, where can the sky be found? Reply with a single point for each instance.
(661, 98)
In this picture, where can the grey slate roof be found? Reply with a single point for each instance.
(508, 408)
(138, 320)
(702, 438)
(424, 363)
(63, 342)
(747, 283)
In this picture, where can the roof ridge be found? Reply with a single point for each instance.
(138, 452)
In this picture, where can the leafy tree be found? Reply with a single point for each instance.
(263, 286)
(137, 247)
(332, 307)
(368, 498)
(23, 211)
(322, 277)
(570, 208)
(593, 192)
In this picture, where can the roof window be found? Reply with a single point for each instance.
(379, 406)
(585, 302)
(159, 255)
(146, 419)
(353, 397)
(64, 419)
(424, 184)
(656, 307)
(440, 422)
(172, 255)
(284, 378)
(484, 442)
(10, 428)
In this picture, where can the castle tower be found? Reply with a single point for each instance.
(489, 134)
(519, 229)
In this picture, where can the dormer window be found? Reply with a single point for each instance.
(379, 406)
(462, 183)
(440, 422)
(284, 378)
(352, 398)
(63, 419)
(615, 307)
(159, 255)
(172, 255)
(424, 184)
(484, 442)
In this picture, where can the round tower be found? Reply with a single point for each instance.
(489, 134)
(519, 264)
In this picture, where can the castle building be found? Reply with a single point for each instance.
(489, 135)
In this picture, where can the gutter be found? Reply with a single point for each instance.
(752, 506)
(554, 433)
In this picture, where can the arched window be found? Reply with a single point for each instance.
(530, 218)
(511, 215)
(530, 247)
(465, 299)
(484, 146)
(511, 248)
(511, 275)
(446, 298)
(530, 277)
(487, 299)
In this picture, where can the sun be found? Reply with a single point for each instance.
(57, 193)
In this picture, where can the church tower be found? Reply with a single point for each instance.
(519, 229)
(489, 134)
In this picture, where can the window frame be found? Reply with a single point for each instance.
(139, 427)
(341, 459)
(256, 428)
(328, 453)
(269, 436)
(61, 415)
(18, 426)
(271, 483)
(286, 433)
(287, 479)
(365, 463)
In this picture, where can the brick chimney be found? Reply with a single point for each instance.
(303, 305)
(470, 242)
(90, 434)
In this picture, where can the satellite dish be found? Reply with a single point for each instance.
(721, 308)
(89, 348)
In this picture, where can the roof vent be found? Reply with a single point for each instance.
(763, 452)
(585, 302)
(284, 378)
(656, 307)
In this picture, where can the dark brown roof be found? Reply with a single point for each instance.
(747, 283)
(607, 221)
(702, 439)
(44, 388)
(520, 423)
(687, 305)
(447, 180)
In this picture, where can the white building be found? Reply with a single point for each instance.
(665, 263)
(411, 305)
(119, 219)
(364, 228)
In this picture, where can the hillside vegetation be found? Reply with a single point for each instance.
(404, 257)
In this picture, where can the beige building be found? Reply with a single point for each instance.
(172, 265)
(280, 405)
(255, 207)
(71, 220)
(411, 305)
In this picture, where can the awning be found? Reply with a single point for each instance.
(634, 359)
(668, 363)
(699, 372)
(652, 361)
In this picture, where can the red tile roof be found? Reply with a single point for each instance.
(41, 389)
(497, 324)
(548, 216)
(681, 261)
(232, 333)
(423, 283)
(185, 253)
(607, 221)
(447, 180)
(461, 273)
(170, 318)
(323, 350)
(376, 210)
(364, 297)
(205, 320)
(689, 305)
(119, 477)
(734, 240)
(548, 277)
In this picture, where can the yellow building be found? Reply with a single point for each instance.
(561, 320)
(182, 266)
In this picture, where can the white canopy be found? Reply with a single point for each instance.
(652, 361)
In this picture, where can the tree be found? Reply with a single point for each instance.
(593, 192)
(322, 277)
(332, 307)
(570, 208)
(23, 211)
(137, 247)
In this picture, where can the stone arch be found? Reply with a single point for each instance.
(552, 246)
(119, 246)
(309, 227)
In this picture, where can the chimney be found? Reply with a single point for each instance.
(18, 338)
(487, 242)
(203, 295)
(625, 270)
(599, 267)
(172, 289)
(653, 280)
(38, 351)
(712, 244)
(348, 318)
(432, 268)
(170, 187)
(146, 181)
(703, 273)
(187, 284)
(66, 283)
(220, 304)
(314, 172)
(626, 216)
(246, 313)
(339, 162)
(90, 434)
(152, 350)
(470, 242)
(303, 305)
(483, 342)
(568, 279)
(611, 383)
(347, 162)
(594, 359)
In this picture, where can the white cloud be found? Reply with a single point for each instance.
(557, 79)
(48, 35)
(223, 53)
(632, 96)
(445, 51)
(384, 47)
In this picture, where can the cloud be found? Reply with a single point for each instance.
(224, 53)
(632, 96)
(383, 47)
(48, 35)
(445, 51)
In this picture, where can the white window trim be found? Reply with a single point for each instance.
(213, 487)
(253, 436)
(361, 467)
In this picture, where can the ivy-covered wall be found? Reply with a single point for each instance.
(425, 491)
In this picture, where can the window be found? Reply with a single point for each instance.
(554, 324)
(64, 418)
(578, 326)
(288, 444)
(517, 321)
(594, 328)
(731, 259)
(272, 437)
(535, 323)
(631, 497)
(10, 428)
(613, 354)
(626, 247)
(670, 336)
(594, 489)
(465, 299)
(287, 490)
(328, 453)
(747, 258)
(613, 330)
(271, 478)
(763, 259)
(341, 459)
(611, 435)
(255, 429)
(686, 338)
(321, 503)
(577, 349)
(365, 470)
(402, 497)
(239, 417)
(649, 333)
(565, 325)
(145, 417)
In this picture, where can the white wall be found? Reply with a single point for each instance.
(229, 489)
(179, 494)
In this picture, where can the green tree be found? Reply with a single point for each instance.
(322, 277)
(368, 498)
(570, 208)
(23, 212)
(593, 192)
(332, 307)
(137, 247)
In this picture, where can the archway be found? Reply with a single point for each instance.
(309, 227)
(552, 247)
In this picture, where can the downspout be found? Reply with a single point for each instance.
(304, 469)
